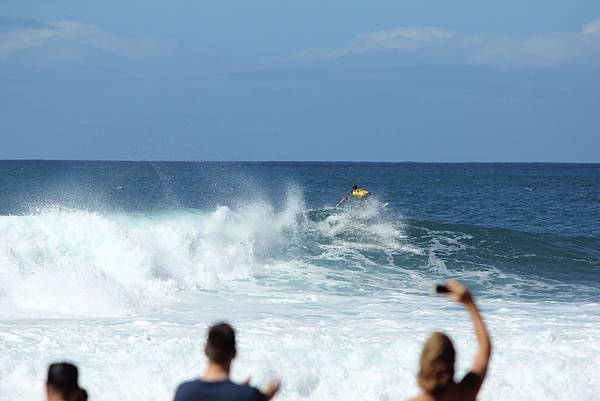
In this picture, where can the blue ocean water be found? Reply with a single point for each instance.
(125, 263)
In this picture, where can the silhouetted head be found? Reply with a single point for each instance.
(437, 364)
(220, 344)
(354, 186)
(63, 383)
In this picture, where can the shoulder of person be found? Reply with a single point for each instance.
(187, 384)
(183, 390)
(470, 383)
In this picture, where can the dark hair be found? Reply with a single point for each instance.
(354, 186)
(437, 364)
(63, 378)
(220, 344)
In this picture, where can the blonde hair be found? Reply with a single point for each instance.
(437, 364)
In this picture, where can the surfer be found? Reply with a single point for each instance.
(356, 192)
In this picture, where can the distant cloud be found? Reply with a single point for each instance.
(30, 34)
(436, 45)
(591, 28)
(20, 22)
(411, 38)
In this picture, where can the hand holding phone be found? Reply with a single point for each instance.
(441, 289)
(455, 290)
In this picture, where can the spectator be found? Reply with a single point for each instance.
(215, 384)
(62, 383)
(436, 374)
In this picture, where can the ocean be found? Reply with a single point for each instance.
(121, 266)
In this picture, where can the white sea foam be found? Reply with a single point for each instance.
(325, 347)
(319, 301)
(60, 263)
(71, 263)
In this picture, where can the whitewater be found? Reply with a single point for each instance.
(336, 302)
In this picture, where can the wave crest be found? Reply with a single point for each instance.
(60, 262)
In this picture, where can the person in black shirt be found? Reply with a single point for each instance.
(215, 385)
(436, 374)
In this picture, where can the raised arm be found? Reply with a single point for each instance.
(272, 388)
(459, 293)
(344, 199)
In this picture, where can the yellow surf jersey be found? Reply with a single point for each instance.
(359, 193)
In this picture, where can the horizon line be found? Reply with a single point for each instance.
(298, 161)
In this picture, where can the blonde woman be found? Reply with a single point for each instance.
(436, 373)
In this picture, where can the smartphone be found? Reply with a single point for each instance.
(441, 289)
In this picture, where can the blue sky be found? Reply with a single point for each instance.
(311, 80)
